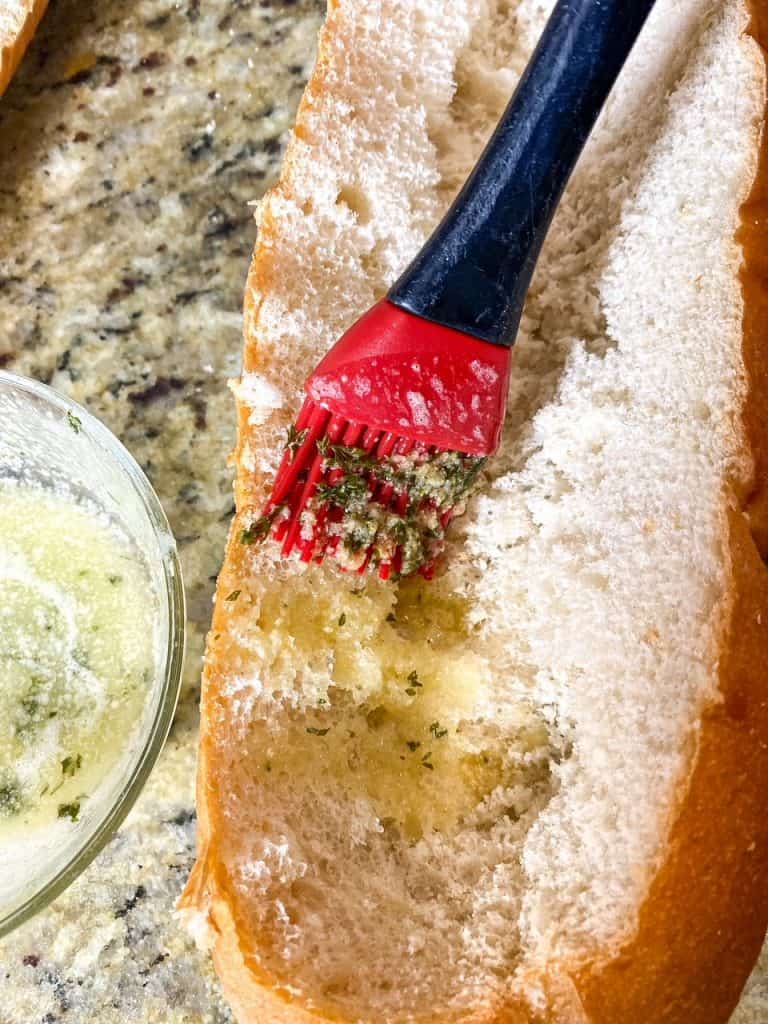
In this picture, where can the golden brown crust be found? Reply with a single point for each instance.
(703, 922)
(704, 918)
(261, 272)
(12, 47)
(753, 236)
(206, 887)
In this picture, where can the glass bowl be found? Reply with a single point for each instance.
(48, 440)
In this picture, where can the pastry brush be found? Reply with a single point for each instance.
(401, 413)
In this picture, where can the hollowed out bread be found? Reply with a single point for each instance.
(531, 789)
(18, 21)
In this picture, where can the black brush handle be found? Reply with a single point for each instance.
(474, 271)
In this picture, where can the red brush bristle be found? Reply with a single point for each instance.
(303, 470)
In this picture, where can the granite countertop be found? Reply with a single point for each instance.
(132, 141)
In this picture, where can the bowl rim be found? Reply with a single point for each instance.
(168, 695)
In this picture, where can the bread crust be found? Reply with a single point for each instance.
(13, 45)
(704, 918)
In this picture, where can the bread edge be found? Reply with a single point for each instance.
(13, 47)
(689, 958)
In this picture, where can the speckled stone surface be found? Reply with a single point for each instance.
(131, 144)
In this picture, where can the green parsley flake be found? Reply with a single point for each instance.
(435, 484)
(260, 528)
(70, 765)
(296, 439)
(10, 798)
(70, 810)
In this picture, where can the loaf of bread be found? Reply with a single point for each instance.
(18, 21)
(532, 789)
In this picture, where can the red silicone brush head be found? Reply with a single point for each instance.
(398, 420)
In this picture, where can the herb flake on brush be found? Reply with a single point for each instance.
(434, 485)
(350, 493)
(259, 528)
(296, 439)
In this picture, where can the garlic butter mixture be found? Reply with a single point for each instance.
(389, 510)
(77, 656)
(393, 705)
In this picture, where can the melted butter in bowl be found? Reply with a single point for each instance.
(91, 640)
(78, 654)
